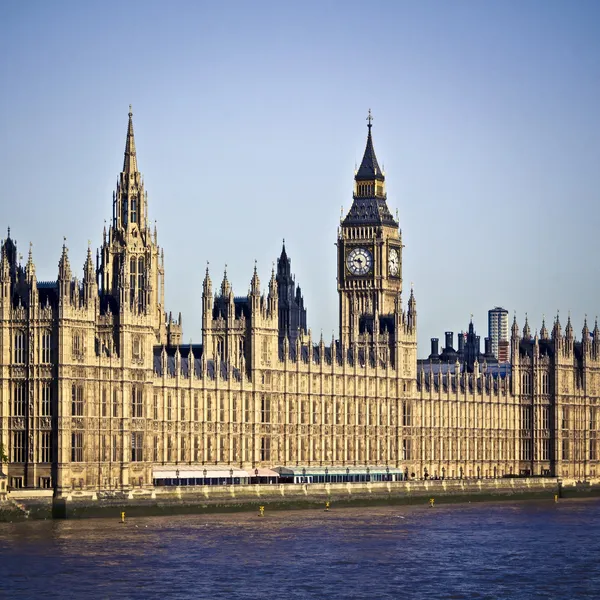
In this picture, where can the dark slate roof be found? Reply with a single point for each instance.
(369, 211)
(369, 167)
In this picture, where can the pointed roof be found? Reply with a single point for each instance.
(369, 167)
(130, 160)
(369, 207)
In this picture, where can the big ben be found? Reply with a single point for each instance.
(369, 254)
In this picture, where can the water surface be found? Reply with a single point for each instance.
(503, 550)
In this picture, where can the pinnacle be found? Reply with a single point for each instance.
(130, 160)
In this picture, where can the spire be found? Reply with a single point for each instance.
(255, 282)
(369, 206)
(369, 167)
(64, 268)
(515, 328)
(225, 285)
(556, 330)
(544, 330)
(207, 283)
(569, 328)
(585, 332)
(526, 329)
(88, 266)
(130, 160)
(30, 267)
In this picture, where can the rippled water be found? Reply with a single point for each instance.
(526, 550)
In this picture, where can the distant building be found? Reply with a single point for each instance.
(498, 332)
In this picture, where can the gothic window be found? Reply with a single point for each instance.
(526, 418)
(526, 449)
(247, 410)
(115, 404)
(137, 406)
(46, 446)
(169, 407)
(124, 215)
(104, 448)
(183, 401)
(545, 449)
(406, 450)
(565, 450)
(196, 449)
(222, 408)
(155, 407)
(155, 450)
(19, 399)
(46, 406)
(235, 451)
(406, 414)
(183, 456)
(132, 278)
(526, 382)
(19, 348)
(77, 447)
(77, 342)
(77, 400)
(196, 416)
(565, 418)
(115, 448)
(545, 383)
(46, 341)
(208, 408)
(545, 417)
(169, 448)
(136, 347)
(141, 283)
(592, 419)
(592, 449)
(265, 409)
(265, 351)
(137, 447)
(18, 447)
(265, 448)
(134, 210)
(221, 349)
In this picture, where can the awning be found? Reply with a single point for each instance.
(331, 471)
(264, 473)
(197, 472)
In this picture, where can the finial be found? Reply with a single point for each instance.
(130, 111)
(8, 231)
(370, 119)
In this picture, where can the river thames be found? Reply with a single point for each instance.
(462, 551)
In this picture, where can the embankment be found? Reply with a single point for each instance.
(32, 504)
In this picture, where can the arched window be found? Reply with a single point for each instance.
(46, 341)
(132, 278)
(19, 348)
(134, 210)
(140, 285)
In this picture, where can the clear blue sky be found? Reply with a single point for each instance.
(250, 116)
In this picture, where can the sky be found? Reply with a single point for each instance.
(250, 117)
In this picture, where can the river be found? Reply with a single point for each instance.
(462, 551)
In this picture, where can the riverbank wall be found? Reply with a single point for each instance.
(41, 504)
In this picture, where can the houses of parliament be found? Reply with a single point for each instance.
(97, 388)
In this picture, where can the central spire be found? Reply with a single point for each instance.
(369, 167)
(130, 160)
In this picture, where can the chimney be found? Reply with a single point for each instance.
(434, 347)
(461, 342)
(449, 339)
(487, 342)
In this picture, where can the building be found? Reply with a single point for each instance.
(498, 332)
(97, 390)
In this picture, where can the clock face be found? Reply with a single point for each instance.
(359, 261)
(394, 262)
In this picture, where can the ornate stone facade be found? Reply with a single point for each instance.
(96, 387)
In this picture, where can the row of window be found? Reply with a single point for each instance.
(527, 383)
(20, 446)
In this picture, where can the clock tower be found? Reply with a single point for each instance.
(369, 249)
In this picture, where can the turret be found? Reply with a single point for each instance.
(273, 295)
(64, 274)
(90, 290)
(544, 330)
(412, 311)
(596, 339)
(526, 329)
(585, 338)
